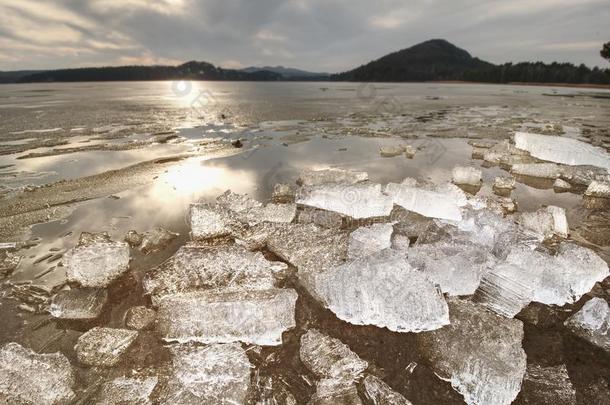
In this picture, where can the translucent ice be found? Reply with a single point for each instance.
(104, 346)
(380, 393)
(332, 392)
(466, 175)
(126, 390)
(480, 353)
(96, 264)
(211, 221)
(30, 378)
(382, 290)
(504, 183)
(237, 202)
(457, 266)
(508, 288)
(598, 189)
(592, 323)
(547, 386)
(255, 317)
(428, 203)
(370, 239)
(195, 267)
(547, 221)
(281, 213)
(560, 149)
(156, 239)
(332, 175)
(79, 303)
(210, 375)
(356, 201)
(543, 170)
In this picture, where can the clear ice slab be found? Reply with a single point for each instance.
(380, 393)
(104, 347)
(480, 353)
(592, 323)
(466, 175)
(78, 303)
(382, 290)
(368, 240)
(440, 204)
(561, 149)
(254, 317)
(27, 377)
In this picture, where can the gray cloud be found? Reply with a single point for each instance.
(322, 35)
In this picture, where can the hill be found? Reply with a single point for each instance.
(288, 73)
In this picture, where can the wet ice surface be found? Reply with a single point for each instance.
(307, 243)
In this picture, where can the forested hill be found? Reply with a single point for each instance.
(438, 59)
(188, 71)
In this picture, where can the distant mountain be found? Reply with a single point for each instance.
(436, 59)
(14, 76)
(188, 71)
(287, 73)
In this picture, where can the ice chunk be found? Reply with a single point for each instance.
(507, 288)
(357, 201)
(211, 221)
(547, 386)
(592, 323)
(504, 183)
(156, 239)
(543, 170)
(598, 189)
(365, 241)
(255, 317)
(237, 202)
(281, 213)
(480, 353)
(196, 267)
(283, 193)
(428, 203)
(139, 318)
(30, 378)
(457, 266)
(330, 358)
(380, 393)
(504, 153)
(332, 175)
(332, 392)
(326, 219)
(466, 175)
(546, 221)
(565, 277)
(78, 304)
(126, 390)
(215, 374)
(561, 186)
(560, 149)
(104, 346)
(382, 290)
(96, 264)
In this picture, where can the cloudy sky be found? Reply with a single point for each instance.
(319, 35)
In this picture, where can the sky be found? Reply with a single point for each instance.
(316, 35)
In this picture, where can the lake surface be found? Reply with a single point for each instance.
(56, 135)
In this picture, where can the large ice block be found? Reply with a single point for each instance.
(27, 377)
(380, 393)
(382, 290)
(78, 304)
(547, 221)
(104, 347)
(254, 317)
(127, 390)
(368, 240)
(96, 264)
(480, 353)
(561, 149)
(357, 201)
(592, 323)
(211, 221)
(456, 266)
(195, 267)
(466, 175)
(332, 175)
(433, 204)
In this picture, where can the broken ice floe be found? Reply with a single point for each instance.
(237, 202)
(280, 213)
(546, 221)
(547, 386)
(507, 288)
(592, 323)
(139, 318)
(544, 170)
(382, 290)
(466, 175)
(380, 393)
(564, 278)
(104, 347)
(598, 189)
(433, 204)
(156, 239)
(480, 353)
(332, 175)
(368, 240)
(78, 304)
(195, 267)
(357, 201)
(561, 149)
(211, 221)
(561, 186)
(96, 263)
(326, 219)
(256, 317)
(127, 390)
(210, 375)
(30, 378)
(456, 266)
